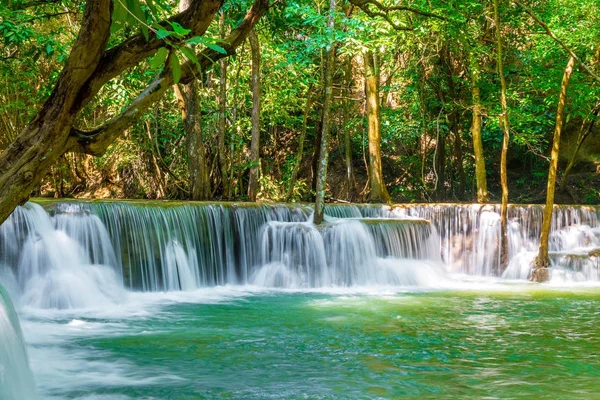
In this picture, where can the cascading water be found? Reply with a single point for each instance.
(57, 261)
(84, 255)
(79, 254)
(16, 380)
(469, 236)
(347, 252)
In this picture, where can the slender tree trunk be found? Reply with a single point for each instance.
(480, 173)
(583, 135)
(453, 118)
(222, 121)
(255, 144)
(300, 151)
(439, 163)
(542, 261)
(346, 131)
(160, 192)
(191, 113)
(189, 104)
(504, 124)
(379, 192)
(324, 151)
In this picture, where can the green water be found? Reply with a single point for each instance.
(508, 343)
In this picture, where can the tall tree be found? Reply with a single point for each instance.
(326, 124)
(504, 124)
(300, 150)
(542, 261)
(189, 104)
(379, 192)
(222, 121)
(480, 173)
(255, 143)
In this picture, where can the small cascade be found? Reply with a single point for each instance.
(293, 255)
(181, 268)
(470, 234)
(220, 241)
(347, 252)
(55, 269)
(16, 380)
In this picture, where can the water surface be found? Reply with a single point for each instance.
(479, 340)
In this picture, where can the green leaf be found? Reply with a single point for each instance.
(196, 40)
(216, 48)
(161, 34)
(119, 16)
(189, 53)
(176, 67)
(130, 4)
(158, 60)
(179, 30)
(141, 16)
(152, 7)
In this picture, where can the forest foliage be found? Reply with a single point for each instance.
(426, 57)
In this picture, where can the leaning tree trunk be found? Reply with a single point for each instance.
(379, 192)
(323, 147)
(583, 135)
(504, 124)
(255, 143)
(542, 261)
(27, 160)
(52, 132)
(480, 173)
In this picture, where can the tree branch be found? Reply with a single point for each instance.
(557, 40)
(96, 142)
(383, 12)
(132, 51)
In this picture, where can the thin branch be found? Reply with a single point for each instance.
(44, 16)
(557, 40)
(384, 11)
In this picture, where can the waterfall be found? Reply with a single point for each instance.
(470, 234)
(16, 380)
(73, 254)
(347, 252)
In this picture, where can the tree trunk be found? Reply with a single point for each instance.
(504, 124)
(440, 165)
(346, 131)
(542, 261)
(191, 113)
(379, 192)
(480, 173)
(324, 151)
(222, 120)
(255, 144)
(189, 104)
(583, 135)
(454, 127)
(300, 151)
